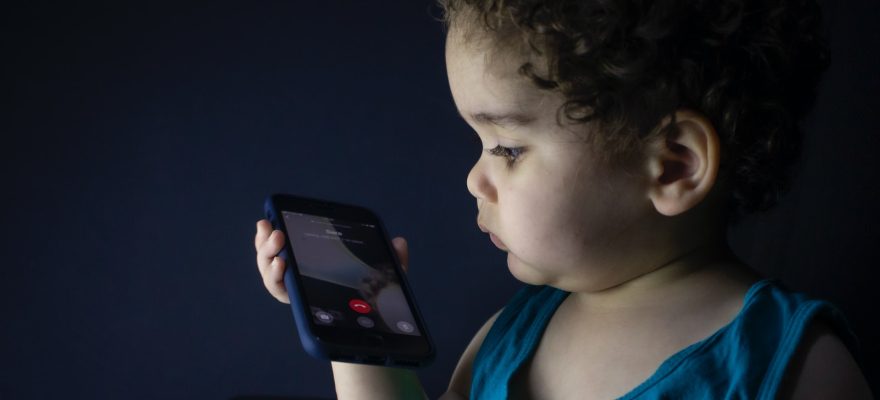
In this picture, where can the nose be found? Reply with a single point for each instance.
(479, 183)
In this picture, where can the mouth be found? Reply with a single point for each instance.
(492, 237)
(497, 241)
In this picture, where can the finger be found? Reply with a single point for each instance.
(402, 249)
(272, 267)
(269, 249)
(273, 279)
(264, 228)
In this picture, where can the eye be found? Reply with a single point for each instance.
(510, 153)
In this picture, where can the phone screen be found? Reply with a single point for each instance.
(347, 274)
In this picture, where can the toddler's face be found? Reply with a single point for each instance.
(564, 219)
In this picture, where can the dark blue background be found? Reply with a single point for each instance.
(139, 141)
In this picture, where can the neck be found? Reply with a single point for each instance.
(665, 281)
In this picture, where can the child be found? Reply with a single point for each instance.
(621, 138)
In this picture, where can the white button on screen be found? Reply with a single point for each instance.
(405, 326)
(324, 317)
(366, 322)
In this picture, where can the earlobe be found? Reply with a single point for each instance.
(683, 163)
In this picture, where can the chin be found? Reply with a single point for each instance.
(523, 272)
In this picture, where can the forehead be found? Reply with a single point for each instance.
(485, 78)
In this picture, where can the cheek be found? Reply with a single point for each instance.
(604, 223)
(571, 224)
(541, 226)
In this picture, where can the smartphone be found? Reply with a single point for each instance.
(349, 296)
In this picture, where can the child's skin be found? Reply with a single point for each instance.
(643, 251)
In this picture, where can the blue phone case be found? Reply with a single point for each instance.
(306, 336)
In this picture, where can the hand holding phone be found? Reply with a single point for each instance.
(268, 243)
(344, 280)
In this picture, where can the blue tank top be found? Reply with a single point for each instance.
(745, 359)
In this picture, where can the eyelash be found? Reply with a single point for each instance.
(510, 153)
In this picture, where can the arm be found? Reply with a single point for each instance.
(358, 381)
(460, 384)
(823, 368)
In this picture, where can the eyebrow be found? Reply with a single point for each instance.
(500, 119)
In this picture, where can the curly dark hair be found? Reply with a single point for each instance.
(751, 67)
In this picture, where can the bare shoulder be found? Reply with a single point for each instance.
(460, 384)
(823, 368)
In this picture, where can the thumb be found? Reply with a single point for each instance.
(402, 250)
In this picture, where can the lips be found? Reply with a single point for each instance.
(497, 241)
(492, 237)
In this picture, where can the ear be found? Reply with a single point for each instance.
(683, 163)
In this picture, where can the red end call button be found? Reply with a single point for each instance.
(360, 306)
